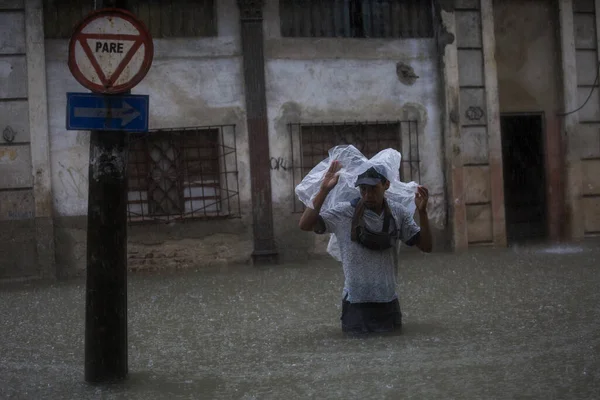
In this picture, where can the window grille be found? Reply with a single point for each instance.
(312, 142)
(183, 174)
(356, 18)
(163, 18)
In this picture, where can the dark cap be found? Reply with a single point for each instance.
(370, 177)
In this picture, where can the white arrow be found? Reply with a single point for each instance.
(126, 113)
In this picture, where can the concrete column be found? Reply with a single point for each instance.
(493, 122)
(457, 215)
(251, 21)
(597, 8)
(570, 123)
(40, 147)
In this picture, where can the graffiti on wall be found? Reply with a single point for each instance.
(73, 180)
(280, 164)
(474, 113)
(9, 134)
(13, 215)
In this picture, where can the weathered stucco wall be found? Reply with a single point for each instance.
(193, 82)
(322, 80)
(479, 132)
(527, 55)
(199, 82)
(17, 240)
(585, 143)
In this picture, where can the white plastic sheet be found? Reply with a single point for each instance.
(355, 163)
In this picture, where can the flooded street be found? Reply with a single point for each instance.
(488, 324)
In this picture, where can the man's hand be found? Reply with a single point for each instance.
(421, 198)
(331, 177)
(425, 239)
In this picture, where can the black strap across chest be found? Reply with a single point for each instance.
(358, 220)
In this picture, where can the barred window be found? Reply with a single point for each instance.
(356, 18)
(163, 18)
(312, 143)
(182, 174)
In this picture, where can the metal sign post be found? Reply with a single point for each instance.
(110, 52)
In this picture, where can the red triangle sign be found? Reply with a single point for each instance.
(110, 44)
(110, 51)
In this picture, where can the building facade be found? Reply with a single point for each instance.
(493, 105)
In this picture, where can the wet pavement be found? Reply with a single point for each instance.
(522, 323)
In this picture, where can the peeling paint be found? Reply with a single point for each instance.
(406, 73)
(5, 69)
(8, 155)
(445, 37)
(110, 164)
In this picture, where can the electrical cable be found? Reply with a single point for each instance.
(589, 96)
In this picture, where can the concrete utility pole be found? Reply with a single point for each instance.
(106, 285)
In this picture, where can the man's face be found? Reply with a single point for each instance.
(372, 195)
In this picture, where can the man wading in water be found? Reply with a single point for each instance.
(367, 231)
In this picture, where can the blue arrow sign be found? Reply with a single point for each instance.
(91, 111)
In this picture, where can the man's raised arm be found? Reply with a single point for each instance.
(310, 217)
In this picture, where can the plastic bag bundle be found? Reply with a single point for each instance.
(354, 163)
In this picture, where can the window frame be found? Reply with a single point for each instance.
(151, 165)
(342, 23)
(406, 138)
(56, 27)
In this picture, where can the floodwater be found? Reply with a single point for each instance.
(519, 323)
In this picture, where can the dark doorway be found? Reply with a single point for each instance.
(524, 177)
